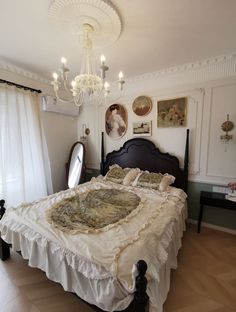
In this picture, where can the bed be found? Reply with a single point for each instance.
(99, 265)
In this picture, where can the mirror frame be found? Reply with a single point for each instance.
(83, 173)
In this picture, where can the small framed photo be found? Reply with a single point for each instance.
(142, 105)
(143, 128)
(172, 113)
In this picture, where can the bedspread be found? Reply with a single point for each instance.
(145, 233)
(93, 211)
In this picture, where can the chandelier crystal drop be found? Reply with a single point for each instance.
(88, 86)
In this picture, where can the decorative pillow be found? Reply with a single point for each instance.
(156, 181)
(122, 176)
(166, 181)
(131, 175)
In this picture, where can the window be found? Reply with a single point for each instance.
(23, 174)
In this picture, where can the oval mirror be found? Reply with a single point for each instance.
(76, 172)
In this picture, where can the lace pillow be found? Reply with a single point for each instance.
(166, 181)
(122, 176)
(156, 181)
(131, 175)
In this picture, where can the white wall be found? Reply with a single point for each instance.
(60, 130)
(210, 87)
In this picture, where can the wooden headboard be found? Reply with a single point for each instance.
(142, 153)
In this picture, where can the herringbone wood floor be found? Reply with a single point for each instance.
(204, 281)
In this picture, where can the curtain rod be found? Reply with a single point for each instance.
(19, 86)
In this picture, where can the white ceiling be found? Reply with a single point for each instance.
(156, 34)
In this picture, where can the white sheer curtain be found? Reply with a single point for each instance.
(24, 164)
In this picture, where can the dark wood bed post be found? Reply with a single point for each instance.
(141, 299)
(4, 247)
(186, 160)
(102, 155)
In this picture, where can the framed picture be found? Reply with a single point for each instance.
(142, 128)
(142, 105)
(172, 113)
(116, 121)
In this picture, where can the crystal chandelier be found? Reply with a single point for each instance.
(88, 86)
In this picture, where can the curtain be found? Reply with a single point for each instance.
(24, 164)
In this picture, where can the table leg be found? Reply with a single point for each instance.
(200, 218)
(4, 250)
(4, 247)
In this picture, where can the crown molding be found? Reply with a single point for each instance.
(22, 72)
(208, 69)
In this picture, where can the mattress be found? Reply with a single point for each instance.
(100, 267)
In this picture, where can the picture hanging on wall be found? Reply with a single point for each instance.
(142, 105)
(172, 113)
(116, 121)
(142, 128)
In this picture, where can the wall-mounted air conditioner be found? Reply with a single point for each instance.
(52, 104)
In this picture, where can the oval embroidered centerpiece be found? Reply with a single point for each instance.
(93, 211)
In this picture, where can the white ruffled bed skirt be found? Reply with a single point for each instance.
(78, 276)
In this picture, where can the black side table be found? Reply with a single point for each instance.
(215, 200)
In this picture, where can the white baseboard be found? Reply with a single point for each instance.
(212, 226)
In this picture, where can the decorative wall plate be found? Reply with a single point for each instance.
(116, 121)
(142, 105)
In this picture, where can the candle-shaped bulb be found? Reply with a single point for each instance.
(103, 59)
(73, 83)
(106, 85)
(63, 60)
(55, 76)
(121, 76)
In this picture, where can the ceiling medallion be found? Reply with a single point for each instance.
(71, 15)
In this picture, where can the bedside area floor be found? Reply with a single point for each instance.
(204, 281)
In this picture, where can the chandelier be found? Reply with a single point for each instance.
(89, 85)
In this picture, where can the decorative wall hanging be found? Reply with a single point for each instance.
(142, 128)
(116, 121)
(226, 127)
(172, 113)
(142, 105)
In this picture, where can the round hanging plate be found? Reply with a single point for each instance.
(70, 15)
(142, 105)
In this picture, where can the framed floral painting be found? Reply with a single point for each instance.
(116, 121)
(172, 113)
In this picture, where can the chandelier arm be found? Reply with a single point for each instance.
(116, 99)
(68, 91)
(62, 100)
(77, 102)
(66, 87)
